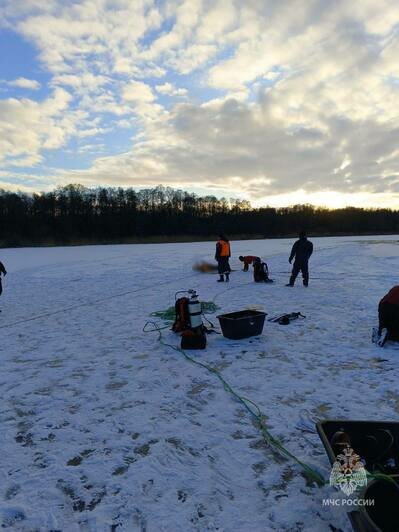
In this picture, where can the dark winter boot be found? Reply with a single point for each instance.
(221, 279)
(227, 277)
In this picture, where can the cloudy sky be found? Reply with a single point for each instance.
(275, 101)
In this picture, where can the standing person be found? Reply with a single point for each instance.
(301, 250)
(222, 255)
(2, 271)
(247, 260)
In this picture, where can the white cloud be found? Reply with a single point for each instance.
(278, 95)
(92, 132)
(24, 83)
(142, 100)
(191, 58)
(85, 81)
(171, 90)
(92, 148)
(186, 16)
(28, 127)
(217, 20)
(137, 91)
(235, 146)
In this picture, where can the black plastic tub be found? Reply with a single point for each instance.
(242, 324)
(384, 514)
(359, 433)
(380, 450)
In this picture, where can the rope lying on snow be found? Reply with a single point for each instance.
(248, 404)
(89, 303)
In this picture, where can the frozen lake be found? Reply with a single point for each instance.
(105, 429)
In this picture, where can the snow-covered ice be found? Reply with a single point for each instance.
(105, 429)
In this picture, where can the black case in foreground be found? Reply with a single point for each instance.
(384, 515)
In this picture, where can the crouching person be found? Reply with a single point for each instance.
(388, 317)
(261, 271)
(222, 255)
(247, 260)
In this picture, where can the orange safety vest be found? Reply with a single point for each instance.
(224, 248)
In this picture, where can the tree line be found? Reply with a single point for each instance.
(75, 214)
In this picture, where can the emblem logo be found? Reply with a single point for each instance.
(348, 472)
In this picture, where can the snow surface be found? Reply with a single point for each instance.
(105, 429)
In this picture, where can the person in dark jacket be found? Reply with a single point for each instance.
(301, 251)
(222, 255)
(388, 317)
(261, 271)
(247, 260)
(2, 272)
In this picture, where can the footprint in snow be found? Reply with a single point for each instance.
(11, 516)
(77, 460)
(144, 450)
(181, 496)
(12, 491)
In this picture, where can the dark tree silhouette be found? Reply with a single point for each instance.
(75, 214)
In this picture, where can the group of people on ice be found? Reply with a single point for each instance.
(388, 308)
(300, 253)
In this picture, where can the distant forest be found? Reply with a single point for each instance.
(75, 214)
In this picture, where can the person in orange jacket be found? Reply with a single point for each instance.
(247, 260)
(388, 317)
(2, 271)
(222, 255)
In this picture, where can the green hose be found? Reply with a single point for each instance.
(251, 407)
(210, 307)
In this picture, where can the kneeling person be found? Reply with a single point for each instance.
(388, 317)
(261, 272)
